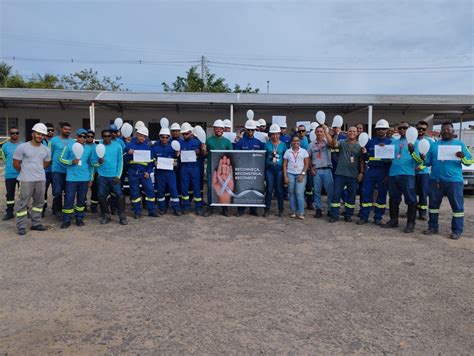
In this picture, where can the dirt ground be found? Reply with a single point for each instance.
(237, 286)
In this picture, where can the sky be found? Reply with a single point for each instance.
(319, 46)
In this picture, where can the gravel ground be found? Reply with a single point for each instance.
(236, 285)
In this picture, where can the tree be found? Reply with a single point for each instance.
(87, 79)
(47, 81)
(5, 72)
(192, 82)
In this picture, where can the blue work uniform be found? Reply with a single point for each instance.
(109, 171)
(422, 182)
(165, 180)
(78, 177)
(57, 145)
(375, 178)
(191, 174)
(136, 177)
(446, 180)
(10, 173)
(249, 144)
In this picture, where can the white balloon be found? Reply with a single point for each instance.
(363, 139)
(198, 131)
(321, 117)
(250, 114)
(118, 122)
(139, 124)
(337, 121)
(100, 150)
(164, 122)
(312, 136)
(411, 135)
(126, 130)
(424, 146)
(176, 145)
(78, 150)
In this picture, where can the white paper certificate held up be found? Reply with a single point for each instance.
(384, 152)
(141, 156)
(188, 156)
(230, 136)
(165, 163)
(448, 152)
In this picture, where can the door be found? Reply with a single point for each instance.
(29, 123)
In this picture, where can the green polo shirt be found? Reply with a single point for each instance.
(216, 143)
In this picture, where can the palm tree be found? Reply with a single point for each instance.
(5, 72)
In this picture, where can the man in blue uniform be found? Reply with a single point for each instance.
(109, 171)
(79, 176)
(401, 179)
(446, 180)
(165, 177)
(56, 145)
(375, 177)
(191, 168)
(48, 170)
(422, 174)
(248, 143)
(11, 174)
(138, 156)
(116, 138)
(94, 188)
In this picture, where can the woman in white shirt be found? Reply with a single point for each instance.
(295, 165)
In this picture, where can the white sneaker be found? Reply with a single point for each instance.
(293, 215)
(301, 217)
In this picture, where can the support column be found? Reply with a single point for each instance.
(92, 116)
(232, 117)
(369, 121)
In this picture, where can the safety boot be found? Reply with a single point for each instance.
(121, 210)
(394, 209)
(104, 211)
(411, 218)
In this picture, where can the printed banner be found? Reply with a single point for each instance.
(238, 178)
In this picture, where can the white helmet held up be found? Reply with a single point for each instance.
(227, 123)
(219, 123)
(142, 130)
(40, 128)
(274, 129)
(250, 125)
(186, 127)
(262, 122)
(175, 126)
(165, 131)
(382, 124)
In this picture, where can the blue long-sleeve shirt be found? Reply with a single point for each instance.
(56, 145)
(404, 162)
(249, 144)
(191, 144)
(370, 155)
(137, 146)
(75, 172)
(422, 168)
(8, 148)
(113, 161)
(447, 171)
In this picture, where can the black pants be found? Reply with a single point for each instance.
(10, 185)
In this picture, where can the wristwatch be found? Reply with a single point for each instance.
(303, 173)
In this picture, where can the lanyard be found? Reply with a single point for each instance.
(295, 156)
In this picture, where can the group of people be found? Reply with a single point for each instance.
(167, 175)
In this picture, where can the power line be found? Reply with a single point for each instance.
(94, 61)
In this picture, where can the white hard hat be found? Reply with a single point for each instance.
(186, 127)
(219, 123)
(262, 122)
(313, 125)
(175, 126)
(142, 130)
(227, 123)
(382, 124)
(165, 131)
(41, 128)
(250, 125)
(274, 129)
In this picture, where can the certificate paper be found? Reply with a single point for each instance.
(279, 120)
(188, 156)
(448, 152)
(230, 136)
(165, 163)
(386, 152)
(261, 136)
(141, 156)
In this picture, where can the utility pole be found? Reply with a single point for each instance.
(268, 86)
(203, 67)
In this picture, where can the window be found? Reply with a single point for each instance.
(4, 126)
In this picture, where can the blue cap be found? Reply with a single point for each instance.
(81, 132)
(90, 132)
(113, 127)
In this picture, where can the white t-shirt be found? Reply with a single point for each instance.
(32, 158)
(295, 160)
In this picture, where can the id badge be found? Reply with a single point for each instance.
(295, 166)
(399, 156)
(79, 163)
(352, 159)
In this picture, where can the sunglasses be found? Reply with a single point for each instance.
(82, 136)
(166, 137)
(106, 136)
(250, 130)
(403, 127)
(379, 129)
(90, 136)
(421, 129)
(50, 130)
(14, 133)
(301, 130)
